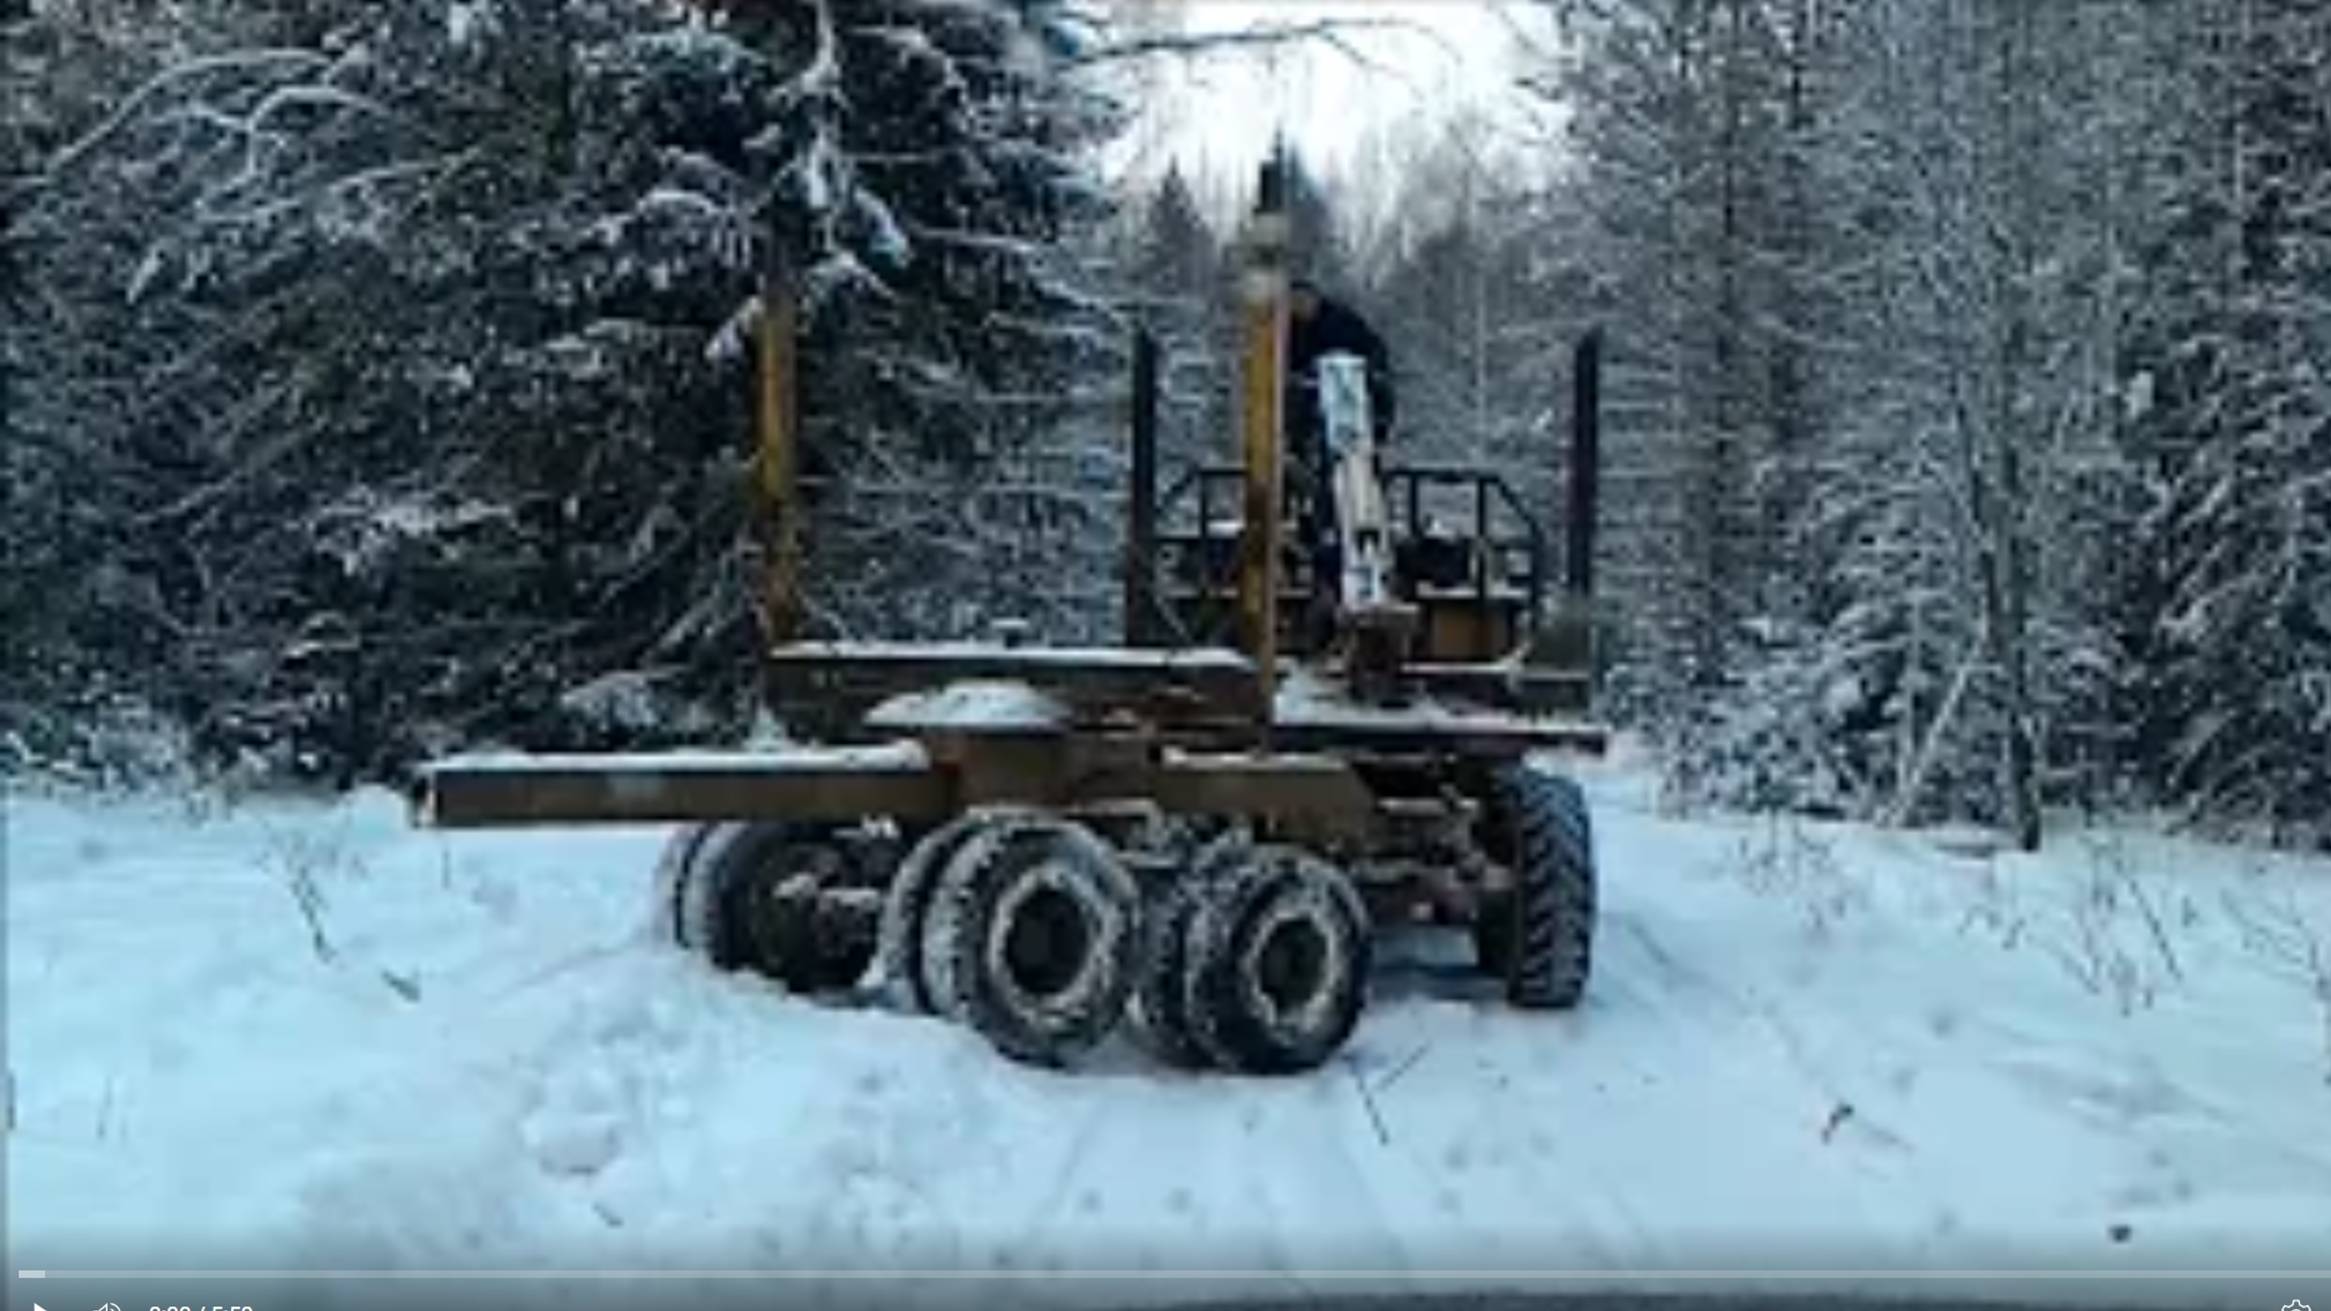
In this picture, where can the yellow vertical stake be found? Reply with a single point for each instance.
(1265, 293)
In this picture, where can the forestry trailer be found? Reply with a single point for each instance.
(1203, 828)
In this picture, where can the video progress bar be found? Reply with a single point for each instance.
(1170, 1276)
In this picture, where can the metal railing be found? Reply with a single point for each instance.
(1196, 550)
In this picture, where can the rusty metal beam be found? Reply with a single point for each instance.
(1533, 689)
(836, 683)
(1482, 739)
(1210, 666)
(903, 780)
(797, 784)
(1263, 787)
(1585, 463)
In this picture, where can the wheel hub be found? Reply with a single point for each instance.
(1046, 943)
(1292, 966)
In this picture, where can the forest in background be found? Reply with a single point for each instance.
(376, 381)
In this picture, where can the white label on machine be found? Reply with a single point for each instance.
(1359, 500)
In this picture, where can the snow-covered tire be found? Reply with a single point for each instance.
(1278, 959)
(906, 911)
(1161, 979)
(1540, 936)
(1031, 938)
(773, 897)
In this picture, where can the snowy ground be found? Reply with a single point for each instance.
(307, 1035)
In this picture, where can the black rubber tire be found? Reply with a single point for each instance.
(1160, 985)
(906, 909)
(1227, 986)
(1014, 882)
(772, 897)
(675, 873)
(1540, 937)
(973, 841)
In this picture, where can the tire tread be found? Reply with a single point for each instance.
(1553, 902)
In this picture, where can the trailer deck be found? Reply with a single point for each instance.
(965, 723)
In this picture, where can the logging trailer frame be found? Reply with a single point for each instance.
(1204, 825)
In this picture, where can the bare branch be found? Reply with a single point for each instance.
(1330, 32)
(135, 100)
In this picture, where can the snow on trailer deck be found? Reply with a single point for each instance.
(1302, 702)
(1308, 715)
(1212, 660)
(1314, 711)
(358, 1045)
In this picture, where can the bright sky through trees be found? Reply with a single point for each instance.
(1417, 62)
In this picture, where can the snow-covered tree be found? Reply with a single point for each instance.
(1966, 417)
(1177, 265)
(397, 344)
(2227, 392)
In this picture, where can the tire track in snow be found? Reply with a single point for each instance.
(1693, 1015)
(1090, 1126)
(1264, 1183)
(1548, 1176)
(1603, 1217)
(1527, 1117)
(1345, 1179)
